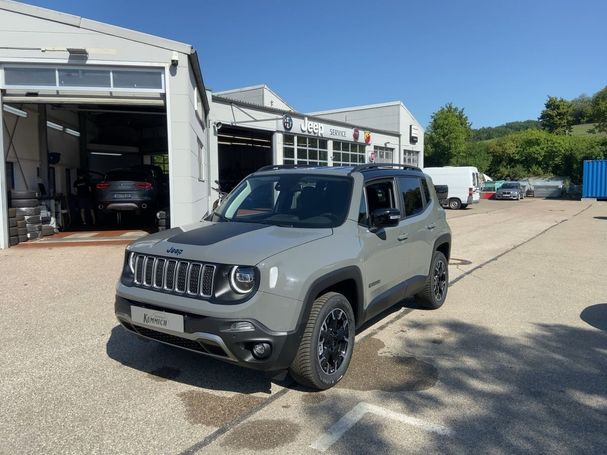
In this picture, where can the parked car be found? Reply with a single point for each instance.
(510, 190)
(288, 266)
(141, 188)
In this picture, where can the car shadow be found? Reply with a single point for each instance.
(596, 316)
(600, 217)
(163, 362)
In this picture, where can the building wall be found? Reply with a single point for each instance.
(188, 146)
(392, 117)
(30, 39)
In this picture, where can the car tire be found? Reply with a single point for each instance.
(27, 211)
(13, 232)
(435, 289)
(33, 219)
(23, 195)
(455, 203)
(308, 367)
(12, 223)
(22, 231)
(13, 240)
(21, 223)
(12, 212)
(25, 203)
(23, 238)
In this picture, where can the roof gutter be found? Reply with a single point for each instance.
(195, 65)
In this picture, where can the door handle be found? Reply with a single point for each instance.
(431, 226)
(402, 237)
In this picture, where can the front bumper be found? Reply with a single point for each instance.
(506, 196)
(212, 336)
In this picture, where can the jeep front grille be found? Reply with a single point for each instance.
(193, 279)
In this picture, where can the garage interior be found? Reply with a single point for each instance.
(90, 138)
(241, 151)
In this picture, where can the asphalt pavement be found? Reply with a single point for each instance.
(514, 362)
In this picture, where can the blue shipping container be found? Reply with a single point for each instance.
(595, 179)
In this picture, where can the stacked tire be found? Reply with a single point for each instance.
(13, 230)
(27, 214)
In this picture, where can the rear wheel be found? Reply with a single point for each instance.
(437, 283)
(326, 346)
(455, 203)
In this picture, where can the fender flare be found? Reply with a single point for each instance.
(326, 281)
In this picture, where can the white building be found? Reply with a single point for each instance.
(79, 94)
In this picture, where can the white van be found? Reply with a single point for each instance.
(463, 182)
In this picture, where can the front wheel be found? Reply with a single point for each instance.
(326, 346)
(455, 203)
(435, 289)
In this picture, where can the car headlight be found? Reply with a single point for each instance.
(242, 279)
(131, 262)
(128, 269)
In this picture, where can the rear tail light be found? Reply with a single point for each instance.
(143, 185)
(102, 186)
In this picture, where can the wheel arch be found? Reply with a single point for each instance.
(346, 281)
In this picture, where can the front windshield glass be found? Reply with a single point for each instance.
(510, 185)
(291, 200)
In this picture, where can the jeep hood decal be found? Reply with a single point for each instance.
(214, 233)
(227, 242)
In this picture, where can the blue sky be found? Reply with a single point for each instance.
(499, 60)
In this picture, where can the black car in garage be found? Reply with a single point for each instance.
(136, 189)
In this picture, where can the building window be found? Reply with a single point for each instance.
(348, 154)
(100, 78)
(162, 161)
(411, 157)
(383, 154)
(305, 150)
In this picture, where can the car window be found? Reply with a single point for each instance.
(380, 195)
(127, 174)
(411, 195)
(289, 200)
(363, 217)
(426, 192)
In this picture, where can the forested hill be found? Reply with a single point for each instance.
(493, 132)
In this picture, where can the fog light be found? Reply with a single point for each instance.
(261, 350)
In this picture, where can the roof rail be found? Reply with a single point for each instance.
(370, 166)
(276, 167)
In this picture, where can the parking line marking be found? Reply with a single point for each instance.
(349, 420)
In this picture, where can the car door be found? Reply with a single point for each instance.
(382, 248)
(416, 226)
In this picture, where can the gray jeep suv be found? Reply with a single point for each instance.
(282, 273)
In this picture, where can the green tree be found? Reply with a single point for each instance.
(557, 117)
(599, 111)
(447, 137)
(581, 109)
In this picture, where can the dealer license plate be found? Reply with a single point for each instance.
(122, 196)
(157, 319)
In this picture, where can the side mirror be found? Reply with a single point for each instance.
(385, 217)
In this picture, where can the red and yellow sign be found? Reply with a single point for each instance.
(367, 137)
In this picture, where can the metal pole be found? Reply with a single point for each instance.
(43, 146)
(3, 191)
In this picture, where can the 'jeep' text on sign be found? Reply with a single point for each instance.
(315, 128)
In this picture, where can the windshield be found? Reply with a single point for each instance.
(127, 174)
(291, 200)
(510, 185)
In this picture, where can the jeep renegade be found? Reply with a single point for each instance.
(282, 273)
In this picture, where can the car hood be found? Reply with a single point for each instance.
(226, 242)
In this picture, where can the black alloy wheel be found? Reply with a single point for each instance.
(333, 341)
